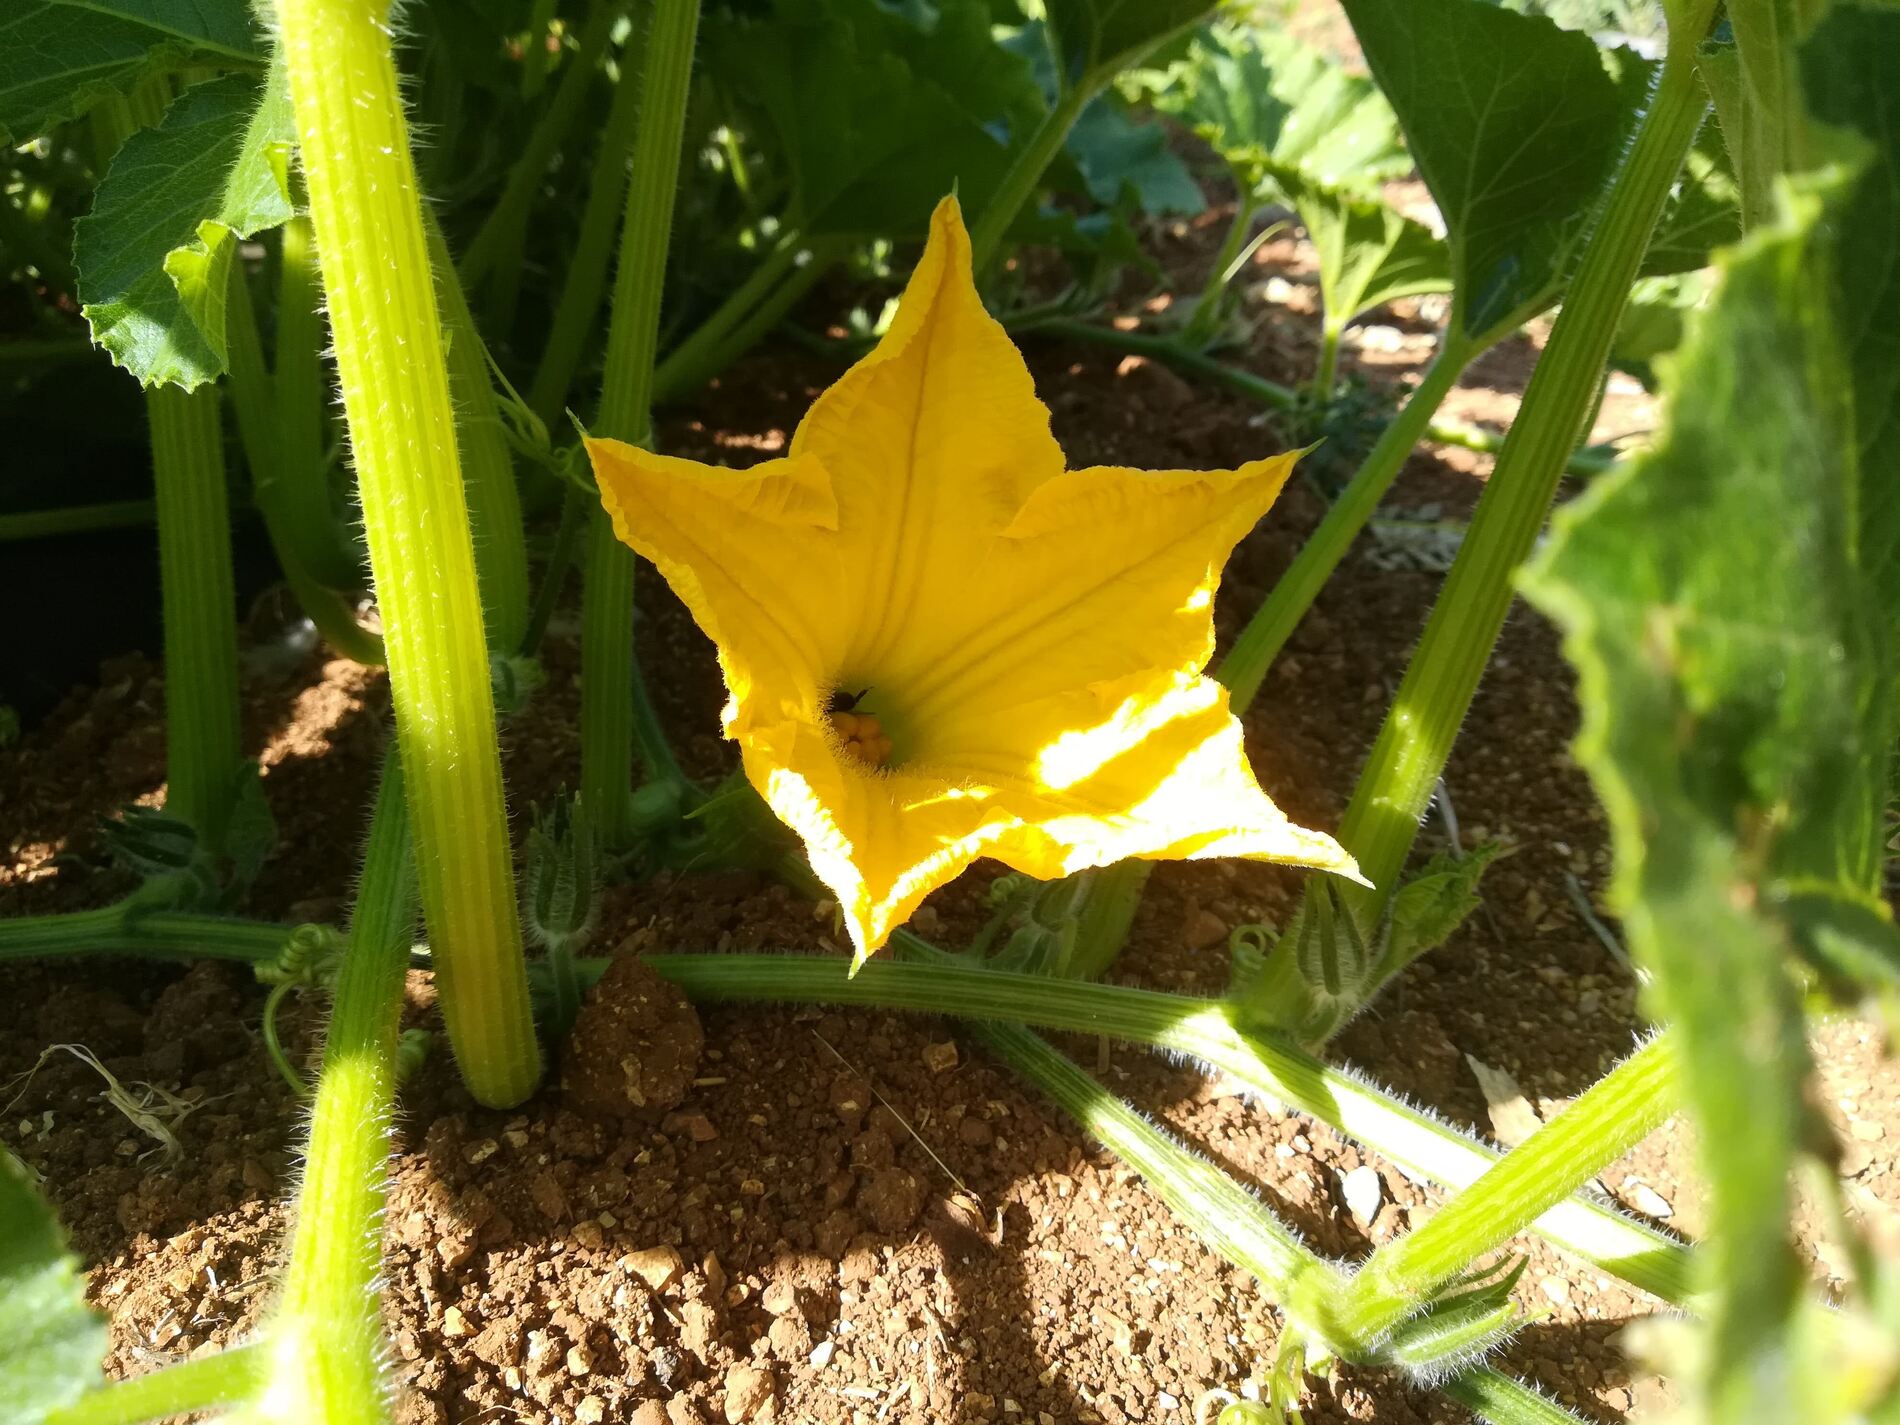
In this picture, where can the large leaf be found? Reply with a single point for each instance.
(51, 1343)
(1094, 38)
(1264, 100)
(1515, 125)
(1368, 253)
(1114, 152)
(1729, 602)
(876, 116)
(155, 252)
(60, 57)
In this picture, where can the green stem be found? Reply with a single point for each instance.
(311, 519)
(611, 697)
(1613, 1116)
(565, 983)
(728, 335)
(1272, 394)
(1204, 320)
(1246, 664)
(501, 232)
(273, 474)
(1219, 1211)
(576, 313)
(1501, 1400)
(1326, 373)
(1110, 898)
(567, 537)
(534, 57)
(488, 469)
(76, 519)
(368, 220)
(325, 1338)
(1413, 746)
(203, 747)
(1025, 172)
(1202, 1030)
(226, 1378)
(124, 929)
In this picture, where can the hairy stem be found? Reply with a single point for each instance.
(388, 337)
(203, 1383)
(1252, 654)
(203, 749)
(1413, 746)
(325, 1338)
(610, 696)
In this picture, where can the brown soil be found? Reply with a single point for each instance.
(835, 1217)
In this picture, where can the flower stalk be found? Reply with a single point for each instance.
(614, 710)
(127, 928)
(367, 216)
(203, 747)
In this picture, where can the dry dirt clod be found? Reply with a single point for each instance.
(635, 1047)
(749, 1390)
(658, 1267)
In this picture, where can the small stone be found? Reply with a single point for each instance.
(748, 1390)
(1646, 1200)
(481, 1152)
(1867, 1131)
(658, 1267)
(454, 1323)
(579, 1362)
(1203, 929)
(1557, 1289)
(1363, 1191)
(821, 1354)
(591, 1411)
(696, 1126)
(941, 1058)
(779, 1296)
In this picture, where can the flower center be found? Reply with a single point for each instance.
(859, 730)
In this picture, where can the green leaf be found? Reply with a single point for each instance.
(1264, 101)
(155, 252)
(60, 57)
(1704, 211)
(1433, 904)
(1093, 39)
(1729, 602)
(51, 1342)
(922, 113)
(1114, 152)
(1368, 253)
(1516, 126)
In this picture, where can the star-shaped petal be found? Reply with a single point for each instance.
(942, 644)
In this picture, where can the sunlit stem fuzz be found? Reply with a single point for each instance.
(203, 751)
(1026, 169)
(325, 1336)
(1615, 1114)
(276, 475)
(1203, 1030)
(367, 215)
(1409, 757)
(1222, 1213)
(488, 469)
(224, 1378)
(1266, 633)
(613, 705)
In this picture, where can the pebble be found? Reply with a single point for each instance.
(1867, 1131)
(1557, 1289)
(940, 1058)
(1647, 1200)
(748, 1390)
(1363, 1191)
(658, 1267)
(591, 1411)
(821, 1354)
(454, 1323)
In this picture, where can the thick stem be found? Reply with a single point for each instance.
(1203, 1030)
(1025, 172)
(222, 1379)
(1613, 1116)
(1410, 755)
(488, 469)
(272, 477)
(301, 487)
(203, 749)
(1246, 664)
(388, 338)
(1326, 373)
(610, 697)
(565, 982)
(325, 1339)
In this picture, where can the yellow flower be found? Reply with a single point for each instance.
(940, 644)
